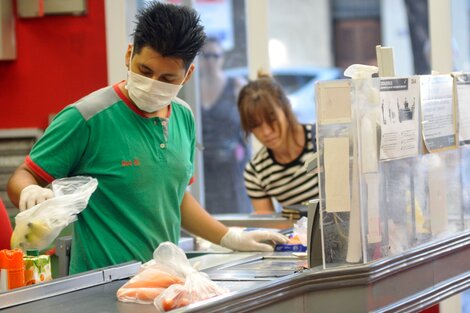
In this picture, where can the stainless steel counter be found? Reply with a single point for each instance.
(101, 298)
(94, 291)
(255, 220)
(408, 282)
(405, 283)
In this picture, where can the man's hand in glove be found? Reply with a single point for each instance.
(32, 195)
(236, 239)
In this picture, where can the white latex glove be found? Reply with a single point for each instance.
(32, 195)
(237, 239)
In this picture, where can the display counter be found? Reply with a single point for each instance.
(276, 282)
(255, 220)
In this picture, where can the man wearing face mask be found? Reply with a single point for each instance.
(138, 139)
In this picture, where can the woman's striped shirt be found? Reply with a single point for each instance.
(288, 183)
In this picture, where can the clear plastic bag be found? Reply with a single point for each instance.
(197, 285)
(148, 284)
(38, 226)
(168, 281)
(300, 229)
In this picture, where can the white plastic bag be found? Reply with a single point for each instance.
(197, 285)
(300, 229)
(148, 284)
(168, 281)
(38, 226)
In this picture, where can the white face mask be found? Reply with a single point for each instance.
(148, 94)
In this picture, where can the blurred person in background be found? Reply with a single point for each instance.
(225, 150)
(277, 169)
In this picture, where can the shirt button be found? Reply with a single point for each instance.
(162, 145)
(164, 123)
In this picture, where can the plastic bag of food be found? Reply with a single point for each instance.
(37, 227)
(197, 285)
(148, 284)
(300, 229)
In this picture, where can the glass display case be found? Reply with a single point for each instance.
(393, 165)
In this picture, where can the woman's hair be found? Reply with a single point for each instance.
(257, 102)
(171, 30)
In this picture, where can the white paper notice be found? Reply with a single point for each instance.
(336, 155)
(399, 101)
(334, 102)
(463, 100)
(438, 118)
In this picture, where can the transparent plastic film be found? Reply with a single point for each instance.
(169, 281)
(38, 226)
(335, 161)
(392, 174)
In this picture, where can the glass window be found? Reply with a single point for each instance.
(300, 53)
(222, 69)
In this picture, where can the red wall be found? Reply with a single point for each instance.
(59, 60)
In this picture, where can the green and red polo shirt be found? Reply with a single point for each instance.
(143, 166)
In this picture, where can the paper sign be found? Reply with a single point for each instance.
(337, 193)
(438, 116)
(399, 102)
(334, 102)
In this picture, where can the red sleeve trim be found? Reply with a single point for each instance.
(192, 180)
(38, 170)
(168, 113)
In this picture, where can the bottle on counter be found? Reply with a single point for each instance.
(37, 268)
(11, 269)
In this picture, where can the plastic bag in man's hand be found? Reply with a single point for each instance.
(39, 226)
(197, 286)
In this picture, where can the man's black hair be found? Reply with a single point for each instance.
(171, 30)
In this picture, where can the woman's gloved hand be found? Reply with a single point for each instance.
(32, 195)
(237, 239)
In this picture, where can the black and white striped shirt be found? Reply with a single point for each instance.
(288, 183)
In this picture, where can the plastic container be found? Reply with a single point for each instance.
(290, 247)
(11, 269)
